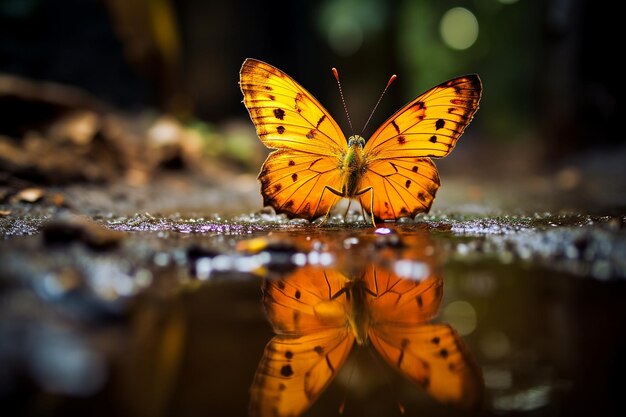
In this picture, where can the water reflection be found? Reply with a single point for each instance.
(319, 313)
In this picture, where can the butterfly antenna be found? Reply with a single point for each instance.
(342, 406)
(336, 74)
(391, 79)
(383, 370)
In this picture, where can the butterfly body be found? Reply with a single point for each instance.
(354, 166)
(357, 315)
(313, 166)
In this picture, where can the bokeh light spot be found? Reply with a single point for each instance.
(462, 316)
(459, 28)
(345, 36)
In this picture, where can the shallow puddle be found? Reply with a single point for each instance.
(149, 315)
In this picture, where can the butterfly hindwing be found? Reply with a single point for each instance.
(302, 303)
(399, 302)
(401, 187)
(293, 183)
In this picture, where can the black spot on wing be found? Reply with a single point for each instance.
(439, 124)
(395, 126)
(401, 140)
(319, 122)
(433, 139)
(286, 371)
(294, 177)
(280, 130)
(279, 114)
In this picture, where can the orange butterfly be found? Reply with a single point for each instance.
(391, 174)
(318, 314)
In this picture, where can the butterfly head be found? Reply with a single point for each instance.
(356, 140)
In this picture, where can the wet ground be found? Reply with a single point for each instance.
(147, 301)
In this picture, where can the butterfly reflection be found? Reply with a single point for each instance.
(318, 314)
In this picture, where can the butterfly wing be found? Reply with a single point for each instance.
(398, 154)
(293, 183)
(295, 371)
(430, 355)
(309, 142)
(434, 357)
(402, 302)
(312, 342)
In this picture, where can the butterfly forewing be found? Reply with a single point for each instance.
(295, 371)
(274, 99)
(434, 357)
(429, 125)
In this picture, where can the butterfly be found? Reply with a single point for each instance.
(313, 166)
(319, 314)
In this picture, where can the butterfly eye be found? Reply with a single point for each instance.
(356, 139)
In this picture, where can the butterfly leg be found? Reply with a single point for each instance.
(363, 191)
(332, 190)
(345, 216)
